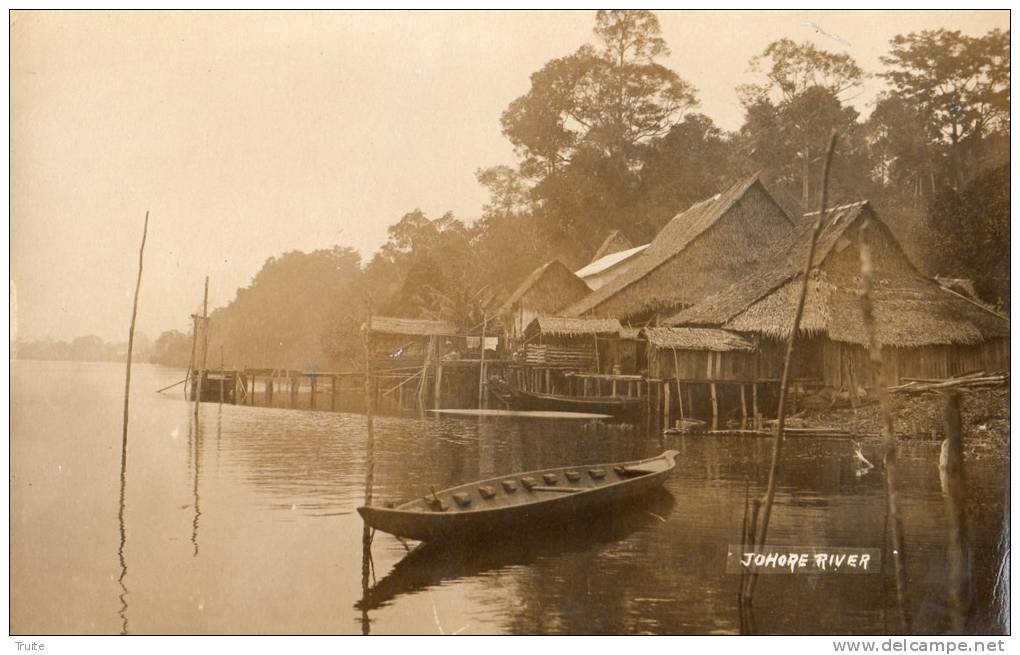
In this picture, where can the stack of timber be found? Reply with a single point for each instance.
(559, 356)
(970, 381)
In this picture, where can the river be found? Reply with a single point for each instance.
(245, 524)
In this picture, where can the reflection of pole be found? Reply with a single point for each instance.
(481, 365)
(880, 386)
(777, 445)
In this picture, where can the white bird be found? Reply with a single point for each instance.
(863, 464)
(823, 32)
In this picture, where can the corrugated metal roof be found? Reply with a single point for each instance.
(609, 261)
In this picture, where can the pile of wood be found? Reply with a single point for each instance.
(976, 380)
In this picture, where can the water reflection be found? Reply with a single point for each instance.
(432, 564)
(282, 547)
(122, 579)
(195, 478)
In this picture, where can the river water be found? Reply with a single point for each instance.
(246, 524)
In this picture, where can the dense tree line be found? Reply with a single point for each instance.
(610, 138)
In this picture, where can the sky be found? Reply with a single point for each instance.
(247, 134)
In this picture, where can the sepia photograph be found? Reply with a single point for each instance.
(671, 322)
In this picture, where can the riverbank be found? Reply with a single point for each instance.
(985, 414)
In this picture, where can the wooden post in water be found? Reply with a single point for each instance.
(191, 362)
(665, 406)
(205, 343)
(481, 366)
(332, 393)
(223, 377)
(747, 593)
(314, 380)
(954, 489)
(131, 343)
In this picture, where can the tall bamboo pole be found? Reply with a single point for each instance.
(121, 580)
(880, 387)
(131, 338)
(205, 342)
(777, 445)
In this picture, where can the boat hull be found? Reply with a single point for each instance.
(528, 401)
(436, 525)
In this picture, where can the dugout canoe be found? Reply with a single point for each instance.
(513, 501)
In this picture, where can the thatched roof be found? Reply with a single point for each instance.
(674, 239)
(695, 339)
(559, 326)
(911, 310)
(615, 242)
(411, 326)
(548, 288)
(609, 261)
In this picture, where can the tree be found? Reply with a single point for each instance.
(610, 99)
(970, 231)
(792, 112)
(586, 124)
(958, 86)
(790, 69)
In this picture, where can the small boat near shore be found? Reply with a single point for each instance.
(518, 399)
(509, 501)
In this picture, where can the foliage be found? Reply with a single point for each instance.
(970, 229)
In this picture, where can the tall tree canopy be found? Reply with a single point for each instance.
(610, 98)
(958, 86)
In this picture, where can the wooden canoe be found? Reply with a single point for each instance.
(509, 501)
(521, 400)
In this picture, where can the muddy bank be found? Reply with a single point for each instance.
(985, 419)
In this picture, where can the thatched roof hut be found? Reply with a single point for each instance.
(696, 339)
(410, 327)
(912, 311)
(546, 290)
(560, 326)
(714, 242)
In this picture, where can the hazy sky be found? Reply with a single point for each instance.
(251, 134)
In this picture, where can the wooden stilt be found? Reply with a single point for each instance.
(293, 390)
(439, 386)
(715, 406)
(754, 404)
(332, 393)
(743, 407)
(314, 382)
(665, 406)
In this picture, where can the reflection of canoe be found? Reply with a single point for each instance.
(501, 503)
(432, 563)
(519, 399)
